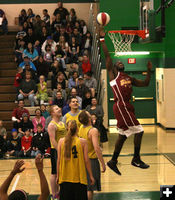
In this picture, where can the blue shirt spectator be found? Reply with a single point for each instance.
(27, 61)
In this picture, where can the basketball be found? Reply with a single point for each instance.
(103, 18)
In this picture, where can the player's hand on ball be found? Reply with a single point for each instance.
(102, 32)
(149, 65)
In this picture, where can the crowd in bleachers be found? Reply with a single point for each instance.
(56, 50)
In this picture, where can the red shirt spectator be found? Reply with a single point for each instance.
(26, 142)
(86, 65)
(18, 77)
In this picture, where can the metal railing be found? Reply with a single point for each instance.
(95, 57)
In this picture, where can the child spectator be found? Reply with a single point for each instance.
(25, 123)
(46, 17)
(22, 17)
(17, 81)
(48, 54)
(38, 119)
(44, 112)
(3, 131)
(38, 142)
(14, 144)
(26, 142)
(41, 94)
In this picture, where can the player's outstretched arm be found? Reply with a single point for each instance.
(143, 83)
(43, 181)
(4, 187)
(108, 60)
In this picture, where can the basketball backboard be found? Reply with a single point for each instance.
(148, 21)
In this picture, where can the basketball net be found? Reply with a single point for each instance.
(122, 40)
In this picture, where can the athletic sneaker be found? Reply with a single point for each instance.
(137, 162)
(113, 165)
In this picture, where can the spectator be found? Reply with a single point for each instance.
(87, 43)
(17, 81)
(65, 47)
(3, 131)
(28, 69)
(77, 25)
(19, 49)
(73, 93)
(81, 88)
(72, 17)
(74, 50)
(42, 37)
(17, 114)
(66, 108)
(61, 80)
(48, 54)
(38, 119)
(99, 125)
(56, 23)
(3, 146)
(87, 99)
(50, 42)
(83, 27)
(21, 34)
(46, 17)
(44, 111)
(95, 109)
(31, 52)
(59, 101)
(26, 142)
(60, 56)
(73, 81)
(91, 83)
(27, 61)
(30, 15)
(38, 142)
(31, 37)
(77, 36)
(37, 25)
(56, 33)
(63, 33)
(42, 68)
(64, 14)
(4, 22)
(25, 26)
(27, 89)
(25, 124)
(14, 144)
(21, 194)
(86, 65)
(22, 17)
(41, 94)
(59, 89)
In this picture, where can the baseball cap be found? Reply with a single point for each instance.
(14, 130)
(49, 37)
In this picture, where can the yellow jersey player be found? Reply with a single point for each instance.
(72, 164)
(74, 112)
(91, 134)
(56, 130)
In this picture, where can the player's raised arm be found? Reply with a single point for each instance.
(108, 60)
(143, 83)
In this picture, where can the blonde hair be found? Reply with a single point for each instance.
(72, 130)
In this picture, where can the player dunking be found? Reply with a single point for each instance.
(127, 123)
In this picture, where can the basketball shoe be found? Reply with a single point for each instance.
(137, 162)
(113, 165)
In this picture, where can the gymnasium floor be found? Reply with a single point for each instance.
(134, 183)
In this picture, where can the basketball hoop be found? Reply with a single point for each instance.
(123, 39)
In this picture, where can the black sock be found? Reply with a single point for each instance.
(136, 152)
(115, 156)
